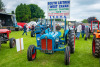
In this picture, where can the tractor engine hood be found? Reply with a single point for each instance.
(5, 31)
(51, 35)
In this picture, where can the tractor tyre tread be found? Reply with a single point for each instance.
(71, 41)
(67, 56)
(97, 47)
(29, 53)
(11, 43)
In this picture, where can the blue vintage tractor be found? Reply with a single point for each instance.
(40, 27)
(51, 42)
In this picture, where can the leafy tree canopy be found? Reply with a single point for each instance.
(36, 12)
(1, 5)
(23, 13)
(92, 19)
(85, 21)
(28, 12)
(12, 12)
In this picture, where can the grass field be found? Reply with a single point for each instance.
(81, 58)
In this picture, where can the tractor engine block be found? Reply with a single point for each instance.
(3, 37)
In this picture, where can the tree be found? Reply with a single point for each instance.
(92, 19)
(1, 5)
(85, 21)
(12, 12)
(2, 9)
(23, 13)
(36, 12)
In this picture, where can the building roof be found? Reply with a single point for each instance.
(6, 13)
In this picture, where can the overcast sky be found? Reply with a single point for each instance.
(79, 10)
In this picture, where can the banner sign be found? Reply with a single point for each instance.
(19, 44)
(58, 9)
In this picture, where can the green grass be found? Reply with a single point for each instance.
(81, 58)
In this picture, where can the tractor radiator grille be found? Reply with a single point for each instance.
(43, 44)
(46, 45)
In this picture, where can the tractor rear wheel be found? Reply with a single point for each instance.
(12, 43)
(96, 47)
(32, 34)
(31, 53)
(67, 55)
(71, 40)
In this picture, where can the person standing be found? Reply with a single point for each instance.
(25, 30)
(83, 30)
(32, 28)
(86, 31)
(79, 29)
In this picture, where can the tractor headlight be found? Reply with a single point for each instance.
(38, 38)
(57, 40)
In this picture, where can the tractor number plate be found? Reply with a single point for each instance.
(46, 51)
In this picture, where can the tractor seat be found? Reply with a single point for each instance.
(58, 28)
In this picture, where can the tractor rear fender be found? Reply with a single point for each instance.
(5, 31)
(66, 32)
(59, 33)
(47, 30)
(97, 35)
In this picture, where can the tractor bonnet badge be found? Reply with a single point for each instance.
(46, 37)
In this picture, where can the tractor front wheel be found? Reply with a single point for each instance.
(71, 40)
(67, 55)
(31, 53)
(96, 47)
(12, 43)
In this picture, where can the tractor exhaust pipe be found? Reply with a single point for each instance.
(65, 24)
(54, 26)
(51, 24)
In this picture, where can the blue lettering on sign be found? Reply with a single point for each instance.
(53, 6)
(50, 17)
(69, 2)
(53, 16)
(60, 16)
(63, 6)
(64, 16)
(63, 2)
(56, 16)
(52, 3)
(66, 5)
